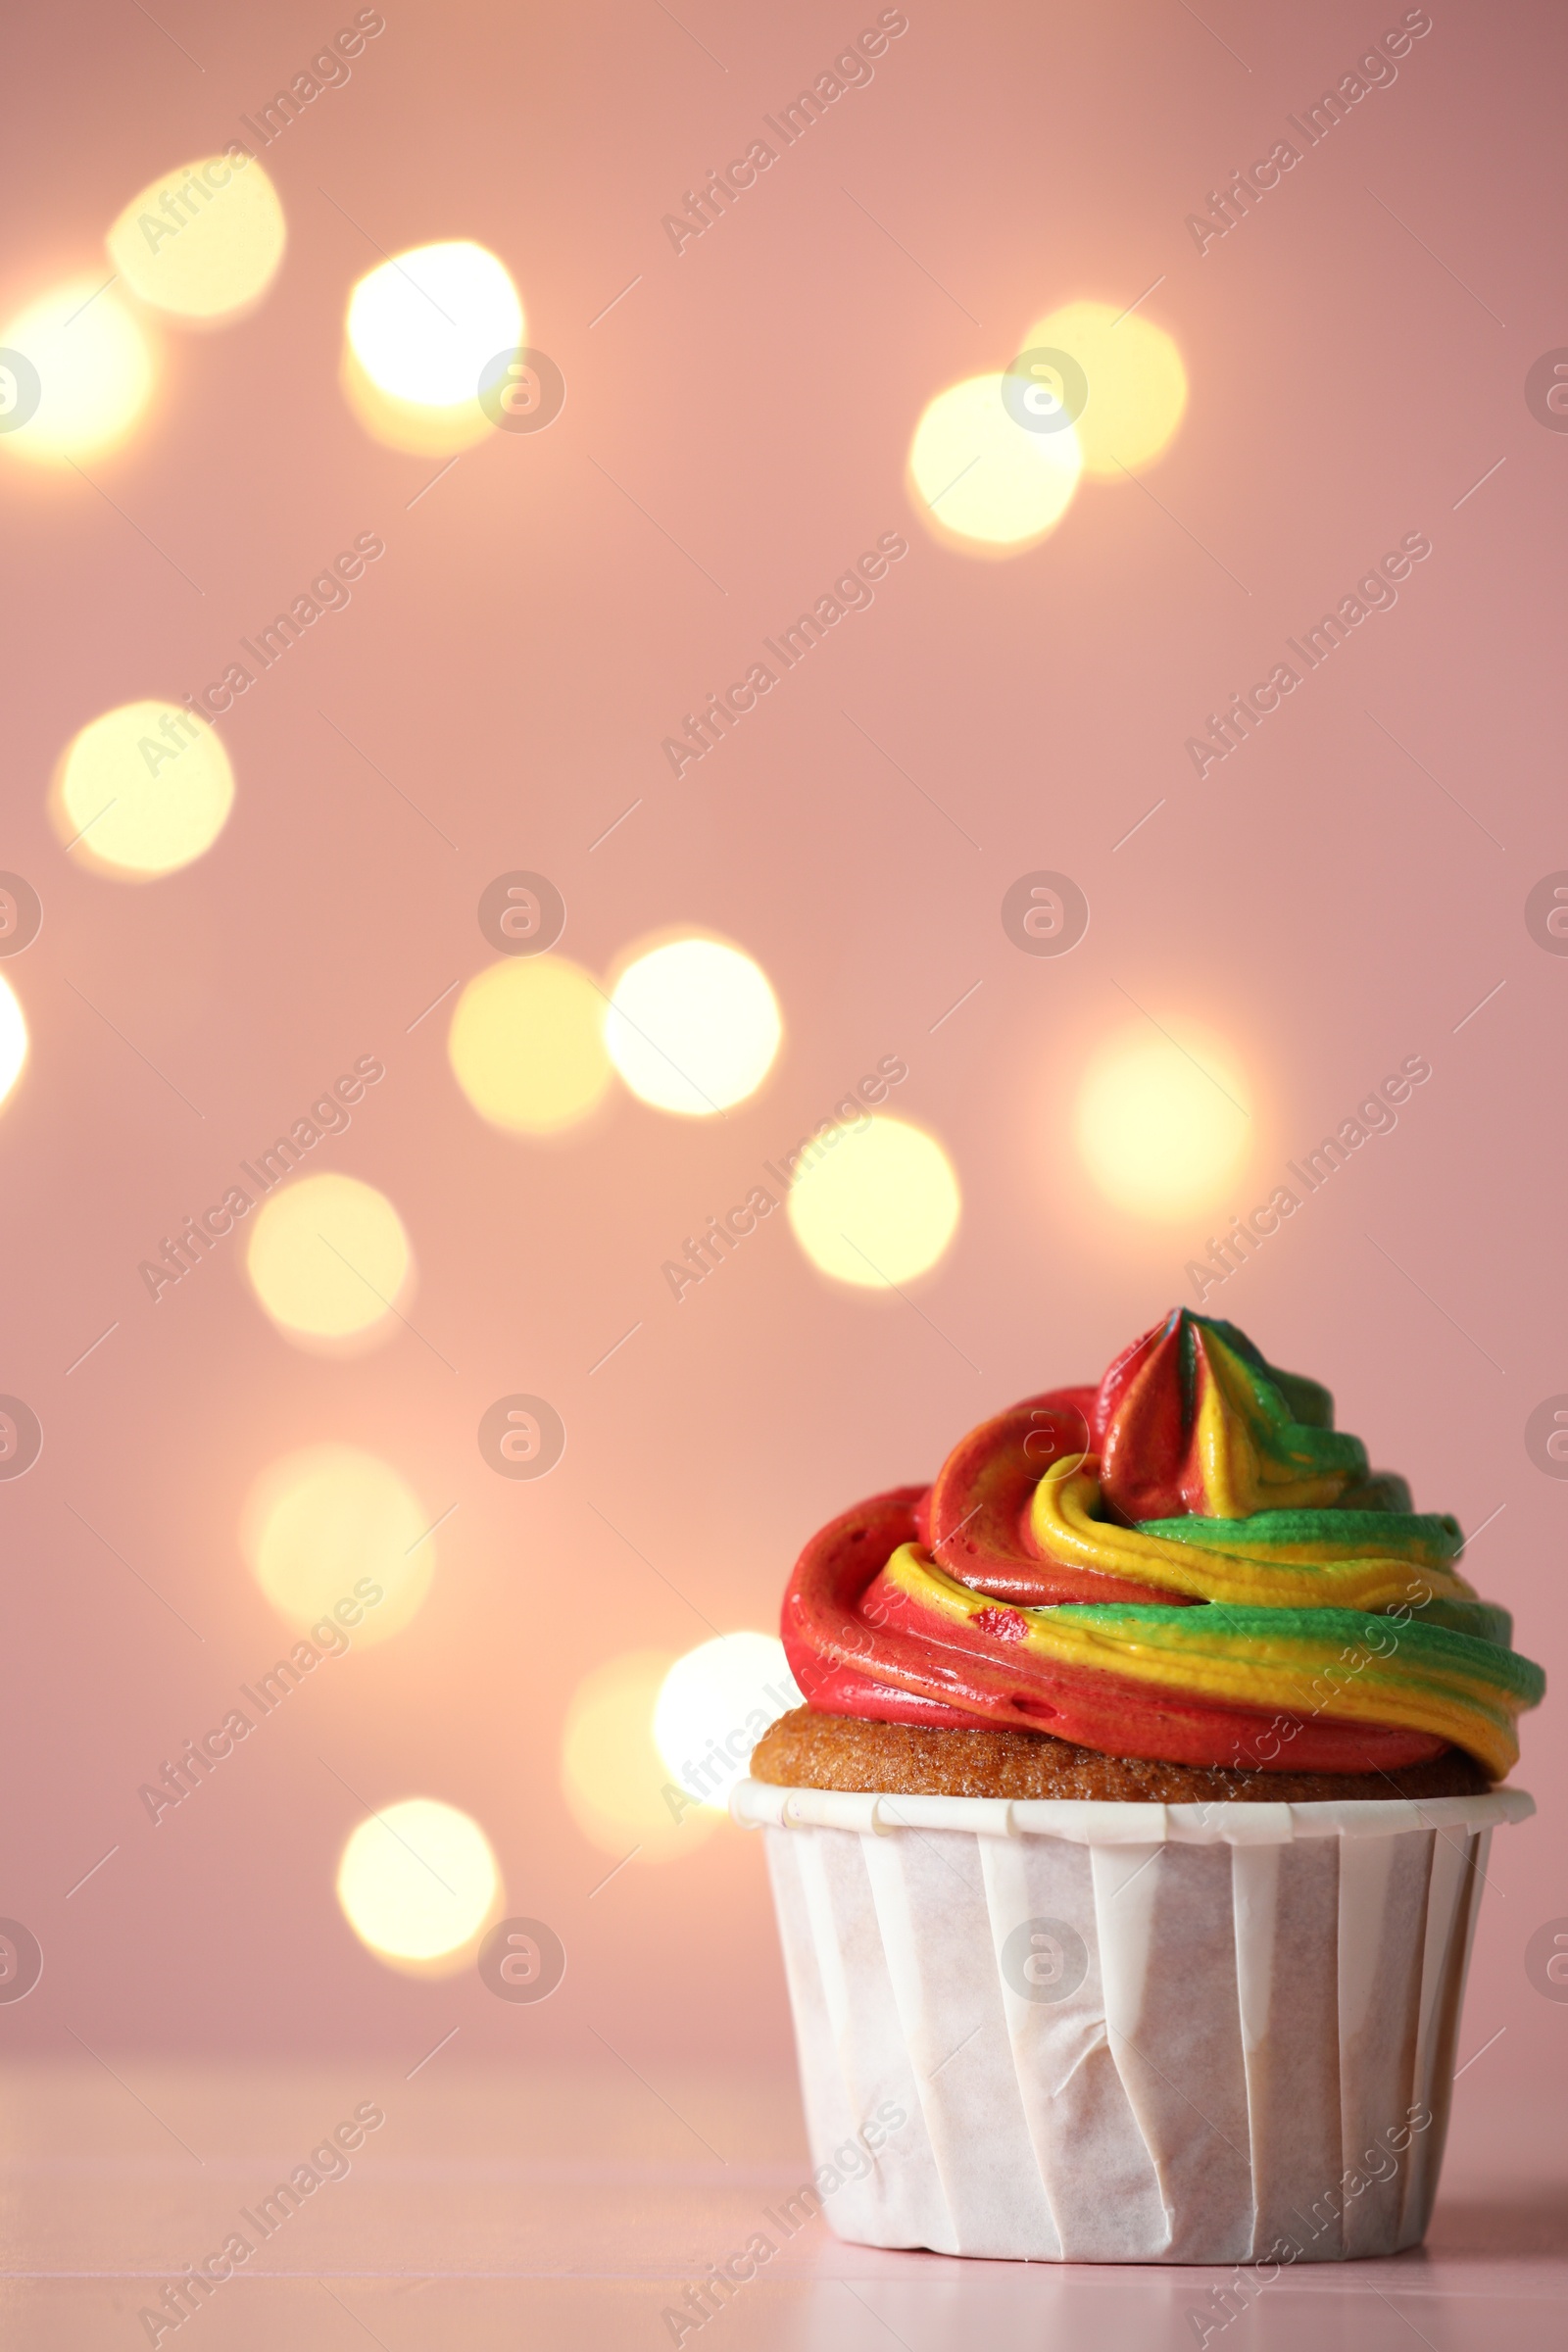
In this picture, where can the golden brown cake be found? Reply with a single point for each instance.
(806, 1750)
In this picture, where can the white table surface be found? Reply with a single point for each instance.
(573, 2209)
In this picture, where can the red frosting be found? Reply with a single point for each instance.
(856, 1648)
(836, 1628)
(978, 1512)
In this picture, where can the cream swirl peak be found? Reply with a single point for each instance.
(1187, 1563)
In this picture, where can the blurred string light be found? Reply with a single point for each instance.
(879, 1207)
(77, 370)
(200, 245)
(692, 1027)
(619, 1789)
(1135, 387)
(142, 791)
(203, 242)
(421, 331)
(419, 1884)
(333, 1523)
(981, 482)
(328, 1258)
(13, 1038)
(712, 1707)
(1164, 1119)
(527, 1044)
(995, 459)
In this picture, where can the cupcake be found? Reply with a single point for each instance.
(1129, 1844)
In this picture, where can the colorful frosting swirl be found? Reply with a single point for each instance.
(1189, 1562)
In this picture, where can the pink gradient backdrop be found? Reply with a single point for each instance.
(513, 663)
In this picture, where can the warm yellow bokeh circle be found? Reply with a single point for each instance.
(203, 242)
(527, 1044)
(329, 1258)
(13, 1038)
(420, 332)
(980, 481)
(142, 791)
(879, 1205)
(712, 1707)
(423, 325)
(617, 1786)
(420, 1884)
(333, 1536)
(1137, 383)
(1163, 1120)
(86, 374)
(692, 1027)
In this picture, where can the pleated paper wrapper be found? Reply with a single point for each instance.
(1269, 2002)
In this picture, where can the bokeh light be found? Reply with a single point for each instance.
(979, 481)
(203, 242)
(878, 1206)
(13, 1038)
(91, 374)
(419, 1884)
(527, 1044)
(333, 1536)
(329, 1258)
(1164, 1119)
(1137, 383)
(692, 1027)
(421, 331)
(617, 1786)
(142, 791)
(423, 324)
(712, 1707)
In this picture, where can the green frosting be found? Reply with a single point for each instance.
(1432, 1537)
(1426, 1647)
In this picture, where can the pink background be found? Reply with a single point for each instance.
(513, 663)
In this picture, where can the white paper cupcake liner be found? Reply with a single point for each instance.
(1126, 2032)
